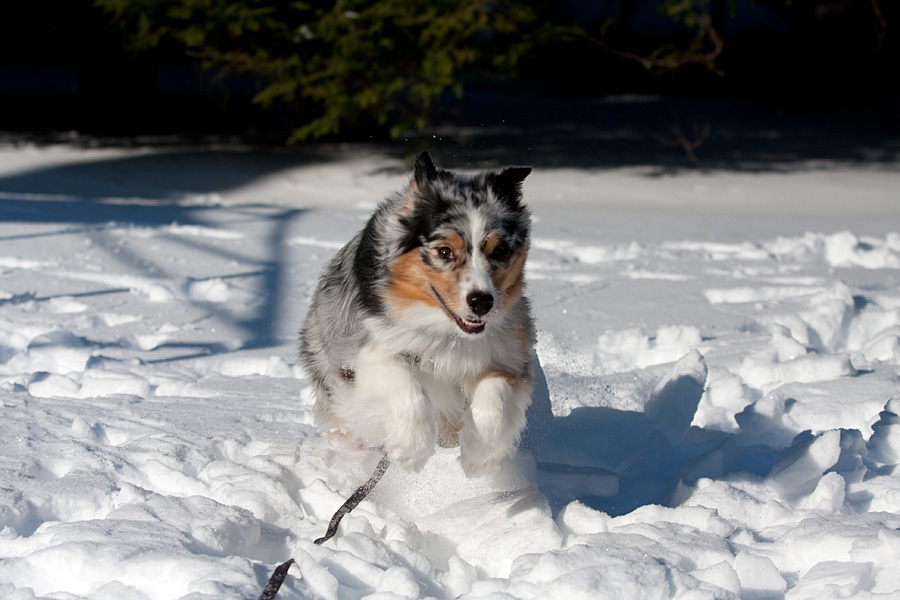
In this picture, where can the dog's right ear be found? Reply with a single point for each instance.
(424, 171)
(507, 184)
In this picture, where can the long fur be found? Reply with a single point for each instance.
(419, 333)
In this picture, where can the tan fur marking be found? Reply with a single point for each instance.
(409, 196)
(509, 378)
(455, 242)
(491, 243)
(447, 285)
(511, 280)
(411, 280)
(524, 338)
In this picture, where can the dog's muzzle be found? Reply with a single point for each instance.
(482, 300)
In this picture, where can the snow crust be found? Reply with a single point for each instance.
(717, 415)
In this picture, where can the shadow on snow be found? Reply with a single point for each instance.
(616, 461)
(148, 191)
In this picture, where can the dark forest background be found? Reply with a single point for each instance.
(362, 70)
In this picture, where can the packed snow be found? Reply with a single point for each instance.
(717, 412)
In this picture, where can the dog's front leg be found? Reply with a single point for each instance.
(408, 422)
(493, 423)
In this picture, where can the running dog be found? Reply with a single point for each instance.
(418, 333)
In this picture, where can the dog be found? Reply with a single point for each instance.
(419, 333)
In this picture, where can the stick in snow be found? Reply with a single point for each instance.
(361, 492)
(355, 499)
(276, 580)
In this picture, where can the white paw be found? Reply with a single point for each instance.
(411, 446)
(411, 430)
(492, 425)
(389, 408)
(478, 458)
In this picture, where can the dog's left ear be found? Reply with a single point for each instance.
(424, 170)
(507, 184)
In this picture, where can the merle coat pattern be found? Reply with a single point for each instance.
(419, 333)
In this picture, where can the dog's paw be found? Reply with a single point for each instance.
(411, 459)
(480, 459)
(409, 462)
(410, 444)
(491, 427)
(479, 456)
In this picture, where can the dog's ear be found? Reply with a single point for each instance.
(507, 184)
(424, 170)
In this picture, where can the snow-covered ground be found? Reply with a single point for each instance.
(717, 417)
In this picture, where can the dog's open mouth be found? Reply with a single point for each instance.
(467, 325)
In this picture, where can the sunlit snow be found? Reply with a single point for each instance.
(716, 414)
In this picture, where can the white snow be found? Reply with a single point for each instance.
(717, 415)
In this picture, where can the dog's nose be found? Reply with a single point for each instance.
(480, 303)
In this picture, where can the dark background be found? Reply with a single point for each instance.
(64, 66)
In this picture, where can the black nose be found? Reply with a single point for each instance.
(480, 303)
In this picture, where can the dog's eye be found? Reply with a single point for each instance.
(446, 253)
(501, 253)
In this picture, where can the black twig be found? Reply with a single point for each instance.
(276, 580)
(357, 497)
(361, 492)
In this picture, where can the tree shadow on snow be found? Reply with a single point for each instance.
(653, 132)
(97, 199)
(157, 175)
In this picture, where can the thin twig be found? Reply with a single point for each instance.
(690, 144)
(676, 59)
(881, 23)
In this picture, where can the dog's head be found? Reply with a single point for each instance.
(460, 243)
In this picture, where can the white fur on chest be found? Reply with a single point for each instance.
(438, 348)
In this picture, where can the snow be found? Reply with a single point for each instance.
(717, 413)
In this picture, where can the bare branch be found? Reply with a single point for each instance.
(881, 23)
(675, 59)
(689, 143)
